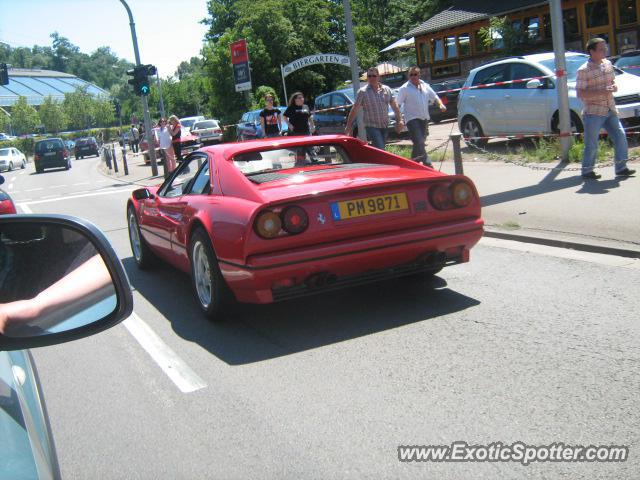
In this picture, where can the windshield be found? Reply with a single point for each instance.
(207, 124)
(253, 163)
(4, 152)
(187, 123)
(49, 145)
(626, 62)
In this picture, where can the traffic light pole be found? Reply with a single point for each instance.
(145, 103)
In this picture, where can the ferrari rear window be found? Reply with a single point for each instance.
(253, 163)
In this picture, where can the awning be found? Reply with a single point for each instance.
(402, 43)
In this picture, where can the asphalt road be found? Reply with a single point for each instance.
(524, 343)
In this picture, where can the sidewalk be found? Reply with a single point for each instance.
(540, 206)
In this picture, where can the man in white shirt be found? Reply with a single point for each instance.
(416, 95)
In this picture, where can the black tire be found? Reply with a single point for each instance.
(216, 296)
(39, 170)
(10, 166)
(576, 123)
(471, 128)
(68, 165)
(143, 255)
(24, 165)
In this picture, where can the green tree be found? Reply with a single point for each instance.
(78, 107)
(52, 115)
(261, 92)
(104, 113)
(4, 121)
(24, 118)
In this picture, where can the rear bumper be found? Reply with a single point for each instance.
(284, 275)
(51, 163)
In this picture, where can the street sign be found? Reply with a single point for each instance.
(240, 61)
(314, 60)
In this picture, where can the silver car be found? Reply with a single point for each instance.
(11, 158)
(207, 131)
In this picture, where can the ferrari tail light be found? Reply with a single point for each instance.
(290, 220)
(447, 196)
(268, 224)
(294, 220)
(36, 157)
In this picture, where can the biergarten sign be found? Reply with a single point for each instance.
(314, 60)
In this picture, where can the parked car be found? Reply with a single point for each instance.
(6, 204)
(629, 62)
(207, 131)
(335, 120)
(258, 223)
(6, 137)
(187, 122)
(51, 153)
(31, 274)
(85, 147)
(531, 107)
(11, 158)
(249, 127)
(450, 100)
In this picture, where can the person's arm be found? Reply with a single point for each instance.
(348, 129)
(584, 91)
(288, 120)
(88, 278)
(436, 98)
(312, 126)
(262, 124)
(396, 110)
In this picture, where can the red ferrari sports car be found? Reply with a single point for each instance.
(274, 219)
(6, 204)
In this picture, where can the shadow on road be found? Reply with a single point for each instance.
(253, 333)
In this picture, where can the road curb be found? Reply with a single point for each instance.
(556, 242)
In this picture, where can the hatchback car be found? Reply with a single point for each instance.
(6, 204)
(448, 98)
(332, 109)
(629, 62)
(207, 131)
(531, 107)
(85, 147)
(11, 158)
(51, 153)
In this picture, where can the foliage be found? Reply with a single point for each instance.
(501, 34)
(550, 150)
(24, 118)
(52, 115)
(103, 110)
(4, 121)
(78, 108)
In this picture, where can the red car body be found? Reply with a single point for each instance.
(330, 253)
(6, 204)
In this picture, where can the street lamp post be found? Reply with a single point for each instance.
(145, 103)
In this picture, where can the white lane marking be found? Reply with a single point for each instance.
(34, 189)
(599, 258)
(81, 183)
(24, 208)
(94, 194)
(170, 363)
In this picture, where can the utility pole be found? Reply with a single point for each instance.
(557, 33)
(145, 103)
(355, 71)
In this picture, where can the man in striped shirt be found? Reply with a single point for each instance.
(595, 85)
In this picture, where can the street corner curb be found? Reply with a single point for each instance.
(562, 243)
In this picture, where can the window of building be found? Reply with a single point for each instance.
(627, 11)
(570, 24)
(464, 44)
(597, 13)
(479, 44)
(438, 49)
(424, 53)
(452, 48)
(532, 27)
(498, 42)
(445, 70)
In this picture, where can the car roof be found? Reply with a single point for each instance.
(534, 57)
(49, 139)
(632, 53)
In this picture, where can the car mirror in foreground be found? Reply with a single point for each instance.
(60, 280)
(535, 83)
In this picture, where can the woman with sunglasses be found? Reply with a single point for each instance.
(298, 116)
(270, 118)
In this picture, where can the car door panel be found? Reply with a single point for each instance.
(526, 110)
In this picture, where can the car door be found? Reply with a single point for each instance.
(487, 103)
(341, 106)
(526, 110)
(173, 205)
(322, 117)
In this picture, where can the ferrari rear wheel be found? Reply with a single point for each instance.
(209, 287)
(142, 254)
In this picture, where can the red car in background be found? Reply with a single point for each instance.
(6, 204)
(188, 142)
(276, 219)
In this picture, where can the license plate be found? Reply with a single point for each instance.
(361, 207)
(50, 154)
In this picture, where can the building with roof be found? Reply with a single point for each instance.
(449, 45)
(36, 85)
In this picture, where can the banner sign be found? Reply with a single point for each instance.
(240, 61)
(315, 59)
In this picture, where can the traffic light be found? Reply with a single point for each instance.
(4, 74)
(140, 82)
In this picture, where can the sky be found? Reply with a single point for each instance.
(168, 32)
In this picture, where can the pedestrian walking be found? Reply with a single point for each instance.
(416, 95)
(134, 137)
(175, 129)
(298, 116)
(375, 99)
(595, 86)
(163, 136)
(270, 118)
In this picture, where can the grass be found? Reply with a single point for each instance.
(510, 225)
(549, 151)
(405, 151)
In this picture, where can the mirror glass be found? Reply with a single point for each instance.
(52, 279)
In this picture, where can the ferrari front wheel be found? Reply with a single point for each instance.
(142, 254)
(209, 287)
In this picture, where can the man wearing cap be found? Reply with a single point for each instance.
(595, 85)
